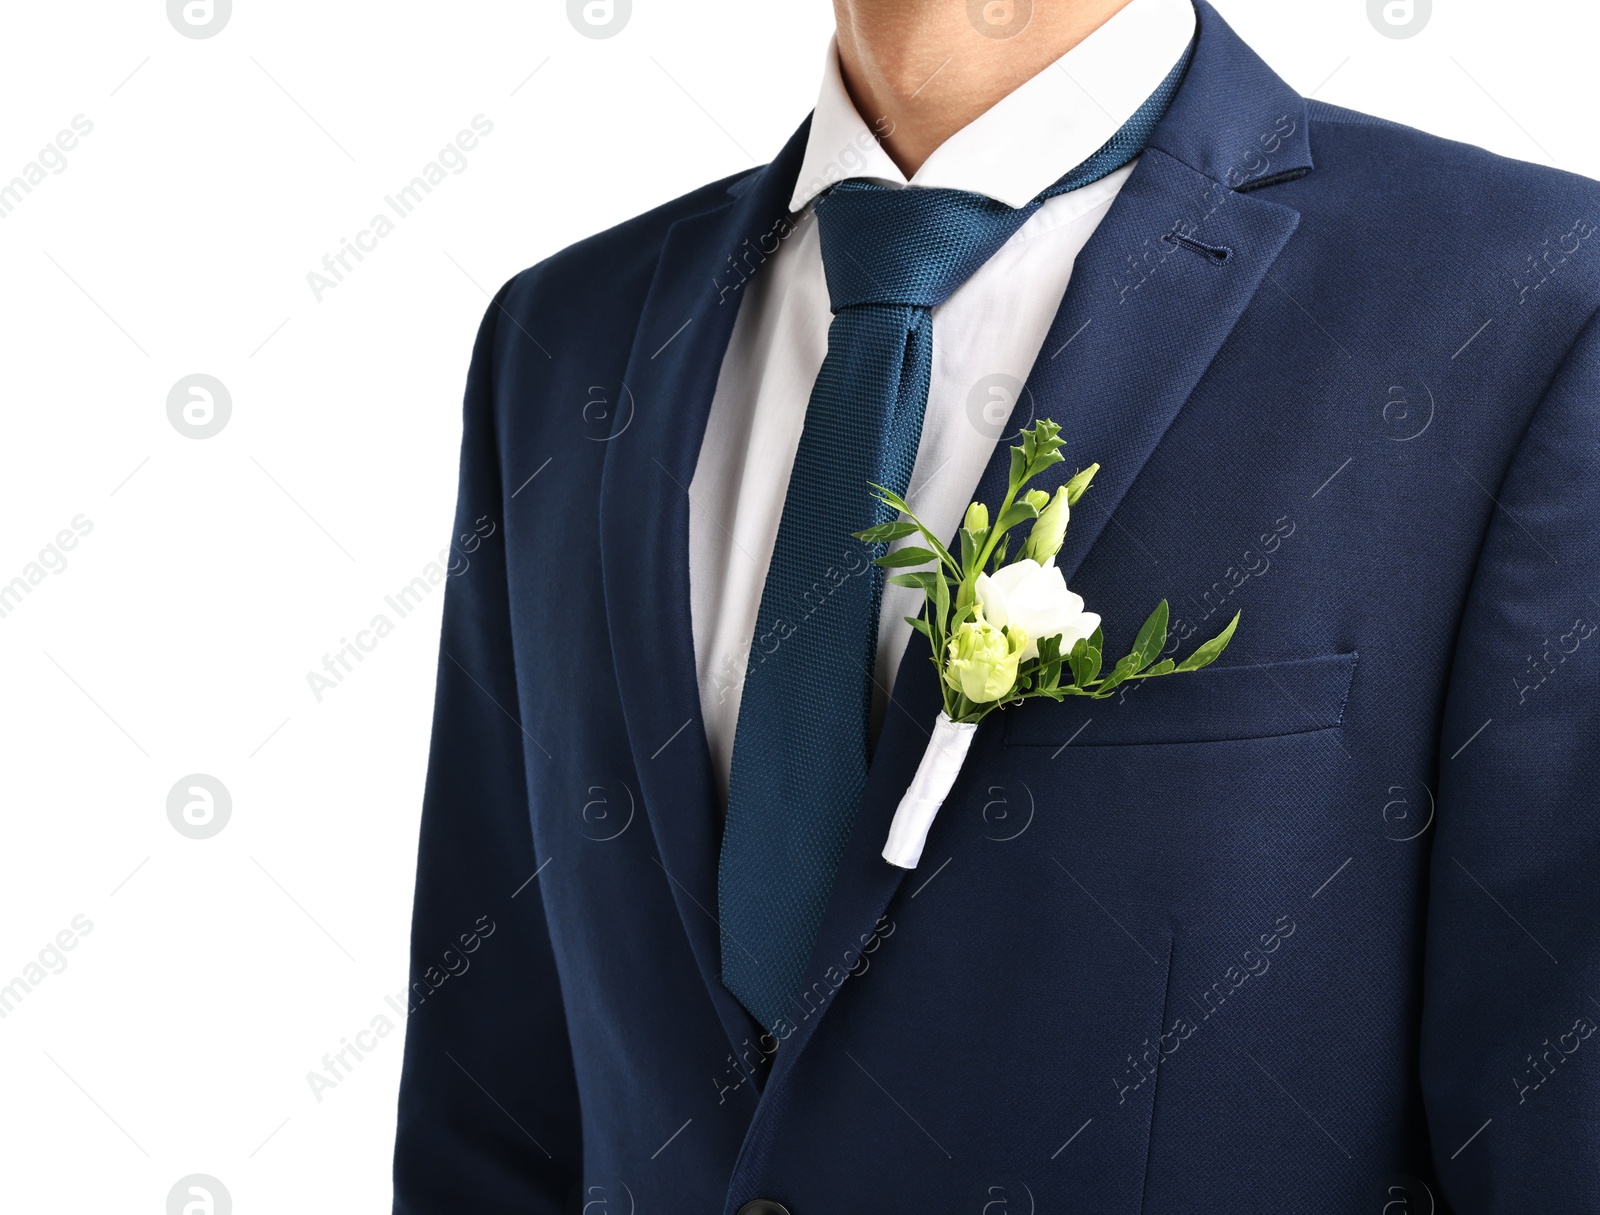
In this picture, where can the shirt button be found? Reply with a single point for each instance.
(763, 1206)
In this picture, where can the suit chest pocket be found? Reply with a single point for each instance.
(1217, 704)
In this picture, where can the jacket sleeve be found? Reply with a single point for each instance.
(488, 1109)
(1510, 1058)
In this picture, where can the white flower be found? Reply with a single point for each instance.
(1035, 599)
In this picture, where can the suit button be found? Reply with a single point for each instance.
(763, 1206)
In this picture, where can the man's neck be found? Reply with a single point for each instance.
(920, 70)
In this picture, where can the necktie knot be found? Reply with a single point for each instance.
(912, 246)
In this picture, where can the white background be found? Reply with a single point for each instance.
(218, 572)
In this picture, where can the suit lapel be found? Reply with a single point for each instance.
(671, 377)
(1143, 317)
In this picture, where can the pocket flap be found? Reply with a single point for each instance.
(1215, 704)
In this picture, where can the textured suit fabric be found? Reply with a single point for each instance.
(802, 747)
(1313, 931)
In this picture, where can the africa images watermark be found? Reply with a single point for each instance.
(52, 559)
(452, 562)
(339, 664)
(403, 202)
(52, 960)
(52, 157)
(339, 1065)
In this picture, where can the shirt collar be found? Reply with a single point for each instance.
(1030, 137)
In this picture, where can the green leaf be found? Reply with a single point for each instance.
(922, 580)
(921, 625)
(1049, 673)
(1017, 512)
(1165, 667)
(938, 609)
(964, 594)
(1000, 554)
(1097, 646)
(1125, 667)
(1208, 652)
(1152, 637)
(885, 532)
(1019, 465)
(971, 545)
(1078, 661)
(941, 604)
(1080, 483)
(890, 498)
(1043, 461)
(902, 557)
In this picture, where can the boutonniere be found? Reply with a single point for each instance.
(1001, 632)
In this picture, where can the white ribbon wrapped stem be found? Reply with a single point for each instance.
(941, 764)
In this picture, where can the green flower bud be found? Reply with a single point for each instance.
(1049, 529)
(977, 518)
(1036, 498)
(982, 662)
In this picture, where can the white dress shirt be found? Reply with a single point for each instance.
(985, 336)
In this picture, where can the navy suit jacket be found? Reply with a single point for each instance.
(1312, 930)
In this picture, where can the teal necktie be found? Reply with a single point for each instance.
(801, 747)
